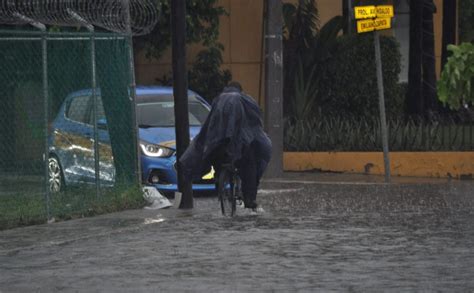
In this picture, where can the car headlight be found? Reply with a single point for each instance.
(154, 150)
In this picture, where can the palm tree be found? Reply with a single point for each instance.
(305, 45)
(300, 26)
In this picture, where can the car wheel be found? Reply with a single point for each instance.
(56, 178)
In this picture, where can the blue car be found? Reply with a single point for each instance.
(72, 160)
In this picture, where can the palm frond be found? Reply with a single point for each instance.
(289, 19)
(307, 22)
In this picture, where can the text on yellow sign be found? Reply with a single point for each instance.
(369, 25)
(362, 12)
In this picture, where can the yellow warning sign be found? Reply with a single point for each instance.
(383, 11)
(364, 26)
(362, 12)
(373, 17)
(383, 23)
(368, 25)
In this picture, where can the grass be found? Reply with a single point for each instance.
(29, 208)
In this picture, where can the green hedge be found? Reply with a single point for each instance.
(337, 133)
(348, 83)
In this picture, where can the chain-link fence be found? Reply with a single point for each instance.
(66, 125)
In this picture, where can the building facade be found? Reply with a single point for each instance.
(241, 33)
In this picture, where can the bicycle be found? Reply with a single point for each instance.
(229, 189)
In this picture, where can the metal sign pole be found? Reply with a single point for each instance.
(374, 18)
(383, 121)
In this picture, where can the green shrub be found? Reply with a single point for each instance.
(206, 76)
(457, 78)
(348, 81)
(343, 133)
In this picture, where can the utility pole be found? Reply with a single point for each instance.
(347, 15)
(180, 92)
(274, 85)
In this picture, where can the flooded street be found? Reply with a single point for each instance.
(312, 237)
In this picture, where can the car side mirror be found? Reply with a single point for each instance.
(102, 124)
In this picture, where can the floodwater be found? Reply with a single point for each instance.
(311, 237)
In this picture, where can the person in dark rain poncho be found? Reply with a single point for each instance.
(233, 131)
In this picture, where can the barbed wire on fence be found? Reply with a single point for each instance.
(111, 15)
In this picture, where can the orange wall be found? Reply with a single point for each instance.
(438, 29)
(411, 164)
(241, 35)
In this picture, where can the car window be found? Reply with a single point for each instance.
(153, 98)
(100, 111)
(77, 109)
(198, 111)
(161, 113)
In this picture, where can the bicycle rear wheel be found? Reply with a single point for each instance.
(226, 193)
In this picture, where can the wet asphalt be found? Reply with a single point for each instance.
(319, 233)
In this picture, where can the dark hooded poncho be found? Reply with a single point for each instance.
(234, 120)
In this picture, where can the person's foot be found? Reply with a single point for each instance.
(251, 204)
(257, 210)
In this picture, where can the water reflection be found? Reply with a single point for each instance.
(319, 238)
(389, 238)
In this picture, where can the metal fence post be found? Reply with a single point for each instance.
(44, 53)
(94, 101)
(44, 42)
(133, 88)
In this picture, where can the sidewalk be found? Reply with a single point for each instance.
(323, 232)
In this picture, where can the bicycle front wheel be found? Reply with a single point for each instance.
(226, 193)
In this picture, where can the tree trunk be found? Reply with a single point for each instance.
(449, 28)
(113, 83)
(428, 58)
(414, 98)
